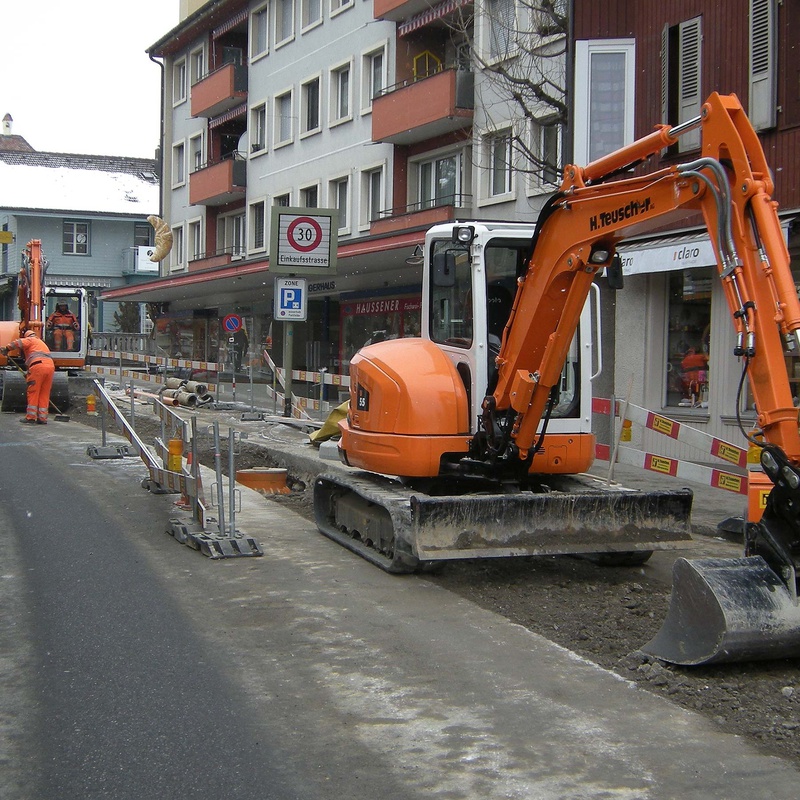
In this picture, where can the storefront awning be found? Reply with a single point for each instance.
(667, 254)
(430, 15)
(672, 252)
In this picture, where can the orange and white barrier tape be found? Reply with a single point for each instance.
(673, 467)
(688, 470)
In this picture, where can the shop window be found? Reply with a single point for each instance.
(688, 338)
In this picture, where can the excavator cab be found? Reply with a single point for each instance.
(65, 325)
(467, 304)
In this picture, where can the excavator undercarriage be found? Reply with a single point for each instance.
(403, 530)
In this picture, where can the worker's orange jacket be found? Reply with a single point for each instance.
(61, 319)
(33, 348)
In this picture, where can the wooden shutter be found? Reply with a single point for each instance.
(763, 73)
(689, 90)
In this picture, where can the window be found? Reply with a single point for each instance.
(196, 249)
(142, 234)
(76, 238)
(604, 103)
(340, 5)
(231, 234)
(338, 192)
(258, 225)
(177, 252)
(546, 141)
(179, 82)
(680, 77)
(198, 66)
(309, 197)
(310, 12)
(439, 181)
(258, 128)
(688, 337)
(371, 195)
(373, 77)
(282, 200)
(500, 25)
(283, 119)
(196, 153)
(284, 21)
(340, 94)
(259, 31)
(178, 165)
(310, 117)
(498, 158)
(763, 64)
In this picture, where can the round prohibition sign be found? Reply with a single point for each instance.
(304, 234)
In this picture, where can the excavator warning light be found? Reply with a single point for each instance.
(464, 233)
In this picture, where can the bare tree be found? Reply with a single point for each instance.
(519, 49)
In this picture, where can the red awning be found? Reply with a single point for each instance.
(426, 17)
(228, 115)
(230, 24)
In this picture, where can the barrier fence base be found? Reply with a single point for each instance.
(211, 544)
(108, 451)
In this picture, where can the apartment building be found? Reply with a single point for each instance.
(377, 110)
(639, 64)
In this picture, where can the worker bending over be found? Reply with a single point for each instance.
(39, 380)
(63, 323)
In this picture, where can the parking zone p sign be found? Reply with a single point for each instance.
(290, 299)
(303, 241)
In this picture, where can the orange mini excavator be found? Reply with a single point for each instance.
(471, 438)
(36, 302)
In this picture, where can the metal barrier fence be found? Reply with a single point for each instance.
(122, 365)
(173, 474)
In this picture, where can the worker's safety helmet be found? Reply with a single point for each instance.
(30, 333)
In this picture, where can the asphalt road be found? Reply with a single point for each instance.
(133, 667)
(108, 690)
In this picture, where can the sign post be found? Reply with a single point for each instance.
(290, 306)
(303, 241)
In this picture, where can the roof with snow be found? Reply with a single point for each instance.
(73, 183)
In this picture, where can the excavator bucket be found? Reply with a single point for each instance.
(741, 609)
(727, 609)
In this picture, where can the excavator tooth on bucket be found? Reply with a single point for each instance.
(727, 609)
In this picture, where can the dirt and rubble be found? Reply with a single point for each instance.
(603, 614)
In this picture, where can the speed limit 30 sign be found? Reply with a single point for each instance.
(303, 241)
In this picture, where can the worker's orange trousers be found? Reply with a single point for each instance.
(39, 382)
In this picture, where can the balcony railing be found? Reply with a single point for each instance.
(219, 91)
(422, 214)
(422, 108)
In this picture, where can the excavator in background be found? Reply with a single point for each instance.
(470, 450)
(37, 303)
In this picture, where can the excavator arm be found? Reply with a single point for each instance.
(729, 184)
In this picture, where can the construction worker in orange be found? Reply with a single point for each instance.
(63, 323)
(39, 379)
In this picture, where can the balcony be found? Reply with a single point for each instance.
(219, 91)
(421, 215)
(418, 110)
(218, 184)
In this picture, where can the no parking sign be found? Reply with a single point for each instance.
(232, 323)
